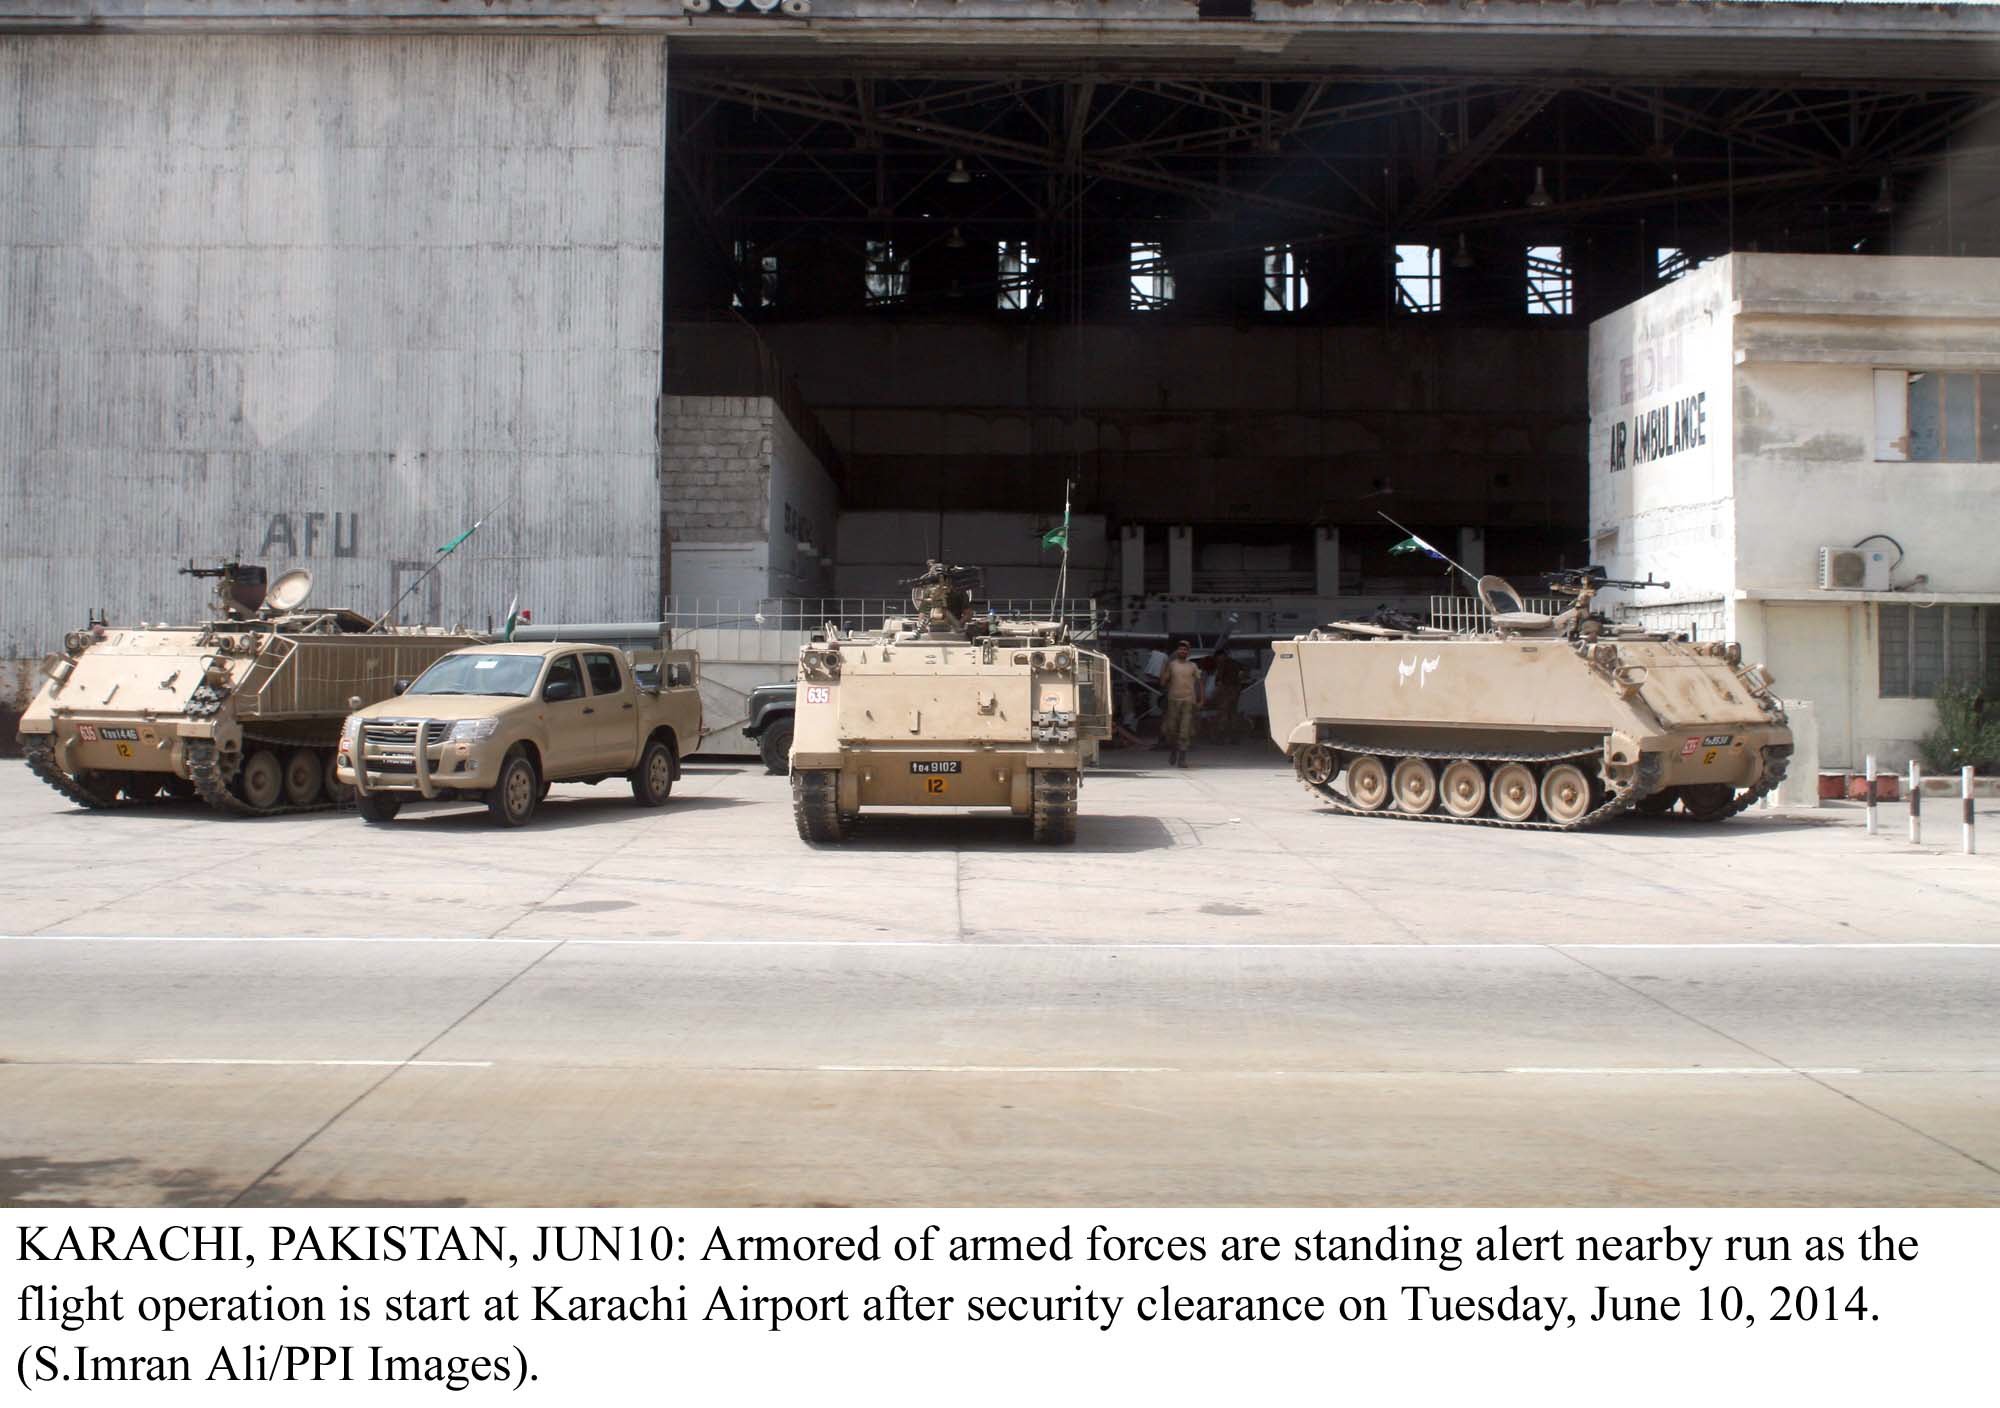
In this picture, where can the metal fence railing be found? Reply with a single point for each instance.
(1468, 613)
(732, 622)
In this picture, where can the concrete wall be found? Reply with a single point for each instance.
(1199, 423)
(323, 301)
(1801, 454)
(742, 494)
(879, 550)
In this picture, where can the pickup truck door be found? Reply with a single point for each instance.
(616, 720)
(570, 720)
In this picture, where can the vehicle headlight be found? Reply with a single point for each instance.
(472, 730)
(349, 727)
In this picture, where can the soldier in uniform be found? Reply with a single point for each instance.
(1180, 680)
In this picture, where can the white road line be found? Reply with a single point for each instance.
(1305, 946)
(1005, 1070)
(1683, 1070)
(260, 1061)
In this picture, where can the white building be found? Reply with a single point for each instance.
(1767, 406)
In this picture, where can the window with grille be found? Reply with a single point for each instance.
(1285, 288)
(1017, 276)
(1952, 416)
(1152, 281)
(1670, 263)
(1551, 282)
(1921, 647)
(1419, 286)
(888, 276)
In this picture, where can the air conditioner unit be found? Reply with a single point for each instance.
(1853, 570)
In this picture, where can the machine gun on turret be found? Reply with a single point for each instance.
(239, 589)
(1584, 583)
(942, 596)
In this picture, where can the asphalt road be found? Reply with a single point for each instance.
(676, 1073)
(1222, 995)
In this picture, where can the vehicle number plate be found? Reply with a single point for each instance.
(933, 769)
(1716, 740)
(818, 694)
(114, 735)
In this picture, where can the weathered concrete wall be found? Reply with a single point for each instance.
(1800, 453)
(742, 495)
(323, 302)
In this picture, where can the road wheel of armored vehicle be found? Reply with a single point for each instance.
(1513, 792)
(1463, 788)
(1052, 804)
(1415, 784)
(262, 781)
(303, 774)
(816, 807)
(1708, 801)
(1367, 782)
(517, 791)
(653, 779)
(337, 792)
(377, 807)
(1318, 764)
(775, 747)
(1565, 793)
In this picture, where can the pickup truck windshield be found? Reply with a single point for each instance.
(480, 674)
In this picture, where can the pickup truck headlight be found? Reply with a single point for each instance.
(472, 730)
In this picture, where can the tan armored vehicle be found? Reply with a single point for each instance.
(946, 709)
(503, 722)
(1545, 722)
(242, 711)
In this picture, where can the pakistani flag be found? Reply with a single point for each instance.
(516, 617)
(1056, 537)
(1415, 544)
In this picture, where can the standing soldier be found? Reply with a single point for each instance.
(1181, 681)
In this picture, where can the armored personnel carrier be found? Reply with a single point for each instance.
(946, 708)
(242, 711)
(1543, 722)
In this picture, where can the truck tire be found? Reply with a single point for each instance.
(653, 779)
(377, 808)
(775, 744)
(516, 791)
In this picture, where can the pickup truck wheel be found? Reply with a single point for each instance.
(775, 744)
(376, 808)
(653, 779)
(516, 792)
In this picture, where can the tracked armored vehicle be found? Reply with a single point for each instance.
(242, 711)
(946, 708)
(1542, 722)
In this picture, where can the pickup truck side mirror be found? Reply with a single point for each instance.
(555, 691)
(402, 685)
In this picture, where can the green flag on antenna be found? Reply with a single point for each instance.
(1056, 537)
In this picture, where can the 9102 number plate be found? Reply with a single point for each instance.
(937, 769)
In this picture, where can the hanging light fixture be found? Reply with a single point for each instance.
(1539, 197)
(1462, 259)
(1885, 199)
(959, 175)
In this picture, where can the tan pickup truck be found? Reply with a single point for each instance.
(503, 722)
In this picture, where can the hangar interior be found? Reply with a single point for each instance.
(1247, 297)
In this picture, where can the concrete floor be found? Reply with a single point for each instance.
(1222, 995)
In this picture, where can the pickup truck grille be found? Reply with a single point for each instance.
(391, 744)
